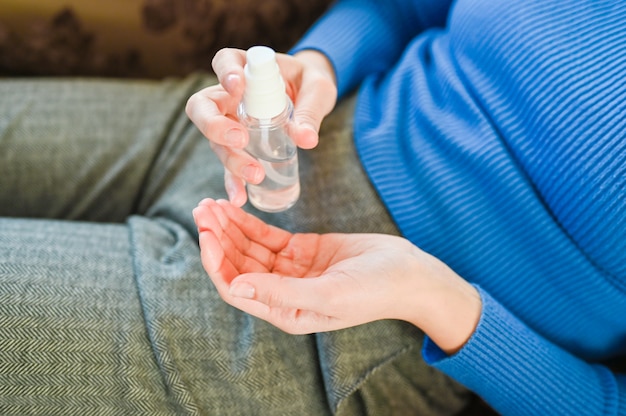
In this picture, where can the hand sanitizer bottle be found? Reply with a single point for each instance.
(267, 112)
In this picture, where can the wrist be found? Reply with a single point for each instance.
(448, 308)
(457, 319)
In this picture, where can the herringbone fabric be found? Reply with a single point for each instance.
(104, 306)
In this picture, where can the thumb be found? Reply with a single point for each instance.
(276, 291)
(290, 303)
(312, 104)
(305, 133)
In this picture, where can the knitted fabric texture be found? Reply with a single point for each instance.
(494, 132)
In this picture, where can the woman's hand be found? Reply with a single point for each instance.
(309, 80)
(304, 283)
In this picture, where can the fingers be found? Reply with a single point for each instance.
(247, 243)
(239, 163)
(213, 111)
(244, 254)
(274, 238)
(228, 65)
(235, 188)
(214, 260)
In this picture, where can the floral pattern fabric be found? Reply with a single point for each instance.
(142, 38)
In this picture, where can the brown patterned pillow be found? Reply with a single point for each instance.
(142, 38)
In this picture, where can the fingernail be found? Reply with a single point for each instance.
(231, 81)
(308, 136)
(252, 174)
(194, 214)
(242, 290)
(235, 138)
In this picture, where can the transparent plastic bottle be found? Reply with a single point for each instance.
(267, 113)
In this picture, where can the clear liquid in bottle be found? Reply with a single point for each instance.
(274, 149)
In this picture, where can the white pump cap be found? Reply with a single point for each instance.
(264, 96)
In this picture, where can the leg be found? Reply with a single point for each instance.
(82, 149)
(339, 369)
(72, 336)
(119, 317)
(124, 312)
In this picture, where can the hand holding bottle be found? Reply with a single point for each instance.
(309, 82)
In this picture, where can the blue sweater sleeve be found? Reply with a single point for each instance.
(361, 37)
(520, 373)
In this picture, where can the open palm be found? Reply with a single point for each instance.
(306, 283)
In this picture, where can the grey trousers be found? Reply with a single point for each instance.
(104, 306)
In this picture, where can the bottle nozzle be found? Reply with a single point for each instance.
(264, 96)
(261, 61)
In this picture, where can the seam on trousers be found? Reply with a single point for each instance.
(174, 386)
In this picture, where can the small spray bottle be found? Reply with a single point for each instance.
(267, 112)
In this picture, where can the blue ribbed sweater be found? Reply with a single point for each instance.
(495, 132)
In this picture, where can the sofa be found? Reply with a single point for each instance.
(141, 38)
